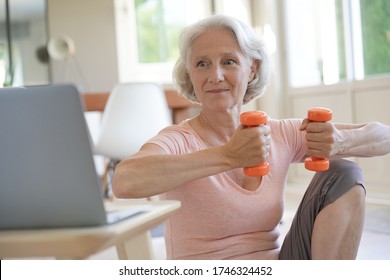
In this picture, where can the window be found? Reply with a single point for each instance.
(375, 18)
(147, 36)
(148, 33)
(336, 40)
(158, 29)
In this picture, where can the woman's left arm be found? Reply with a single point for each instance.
(371, 139)
(346, 140)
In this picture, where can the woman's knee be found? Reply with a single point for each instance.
(345, 172)
(341, 177)
(343, 165)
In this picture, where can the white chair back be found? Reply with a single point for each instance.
(134, 113)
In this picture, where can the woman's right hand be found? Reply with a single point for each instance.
(249, 146)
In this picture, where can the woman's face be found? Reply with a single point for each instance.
(219, 71)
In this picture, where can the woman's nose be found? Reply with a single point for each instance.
(216, 74)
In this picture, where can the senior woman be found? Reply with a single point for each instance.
(226, 214)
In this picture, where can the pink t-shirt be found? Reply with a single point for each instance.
(220, 220)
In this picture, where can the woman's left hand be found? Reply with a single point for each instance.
(322, 138)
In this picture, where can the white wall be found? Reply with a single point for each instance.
(91, 24)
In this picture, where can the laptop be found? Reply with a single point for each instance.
(47, 171)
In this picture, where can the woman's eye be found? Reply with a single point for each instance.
(230, 62)
(201, 64)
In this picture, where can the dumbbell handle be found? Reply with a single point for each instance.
(251, 119)
(318, 114)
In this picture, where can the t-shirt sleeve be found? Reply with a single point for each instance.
(174, 139)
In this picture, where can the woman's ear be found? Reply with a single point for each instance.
(255, 66)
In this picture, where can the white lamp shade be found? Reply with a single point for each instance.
(61, 48)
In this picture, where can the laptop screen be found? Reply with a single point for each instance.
(47, 172)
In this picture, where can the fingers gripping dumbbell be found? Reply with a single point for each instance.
(318, 114)
(251, 119)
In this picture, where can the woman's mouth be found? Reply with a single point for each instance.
(216, 91)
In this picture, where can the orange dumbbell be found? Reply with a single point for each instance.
(251, 119)
(318, 114)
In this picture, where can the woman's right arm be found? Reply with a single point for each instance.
(151, 171)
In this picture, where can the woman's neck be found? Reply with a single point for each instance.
(215, 129)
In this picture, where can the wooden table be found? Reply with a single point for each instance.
(131, 237)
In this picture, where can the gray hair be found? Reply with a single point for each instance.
(252, 46)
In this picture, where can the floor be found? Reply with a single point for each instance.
(375, 243)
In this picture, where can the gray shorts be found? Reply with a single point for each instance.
(325, 188)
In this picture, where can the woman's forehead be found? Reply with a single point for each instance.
(215, 40)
